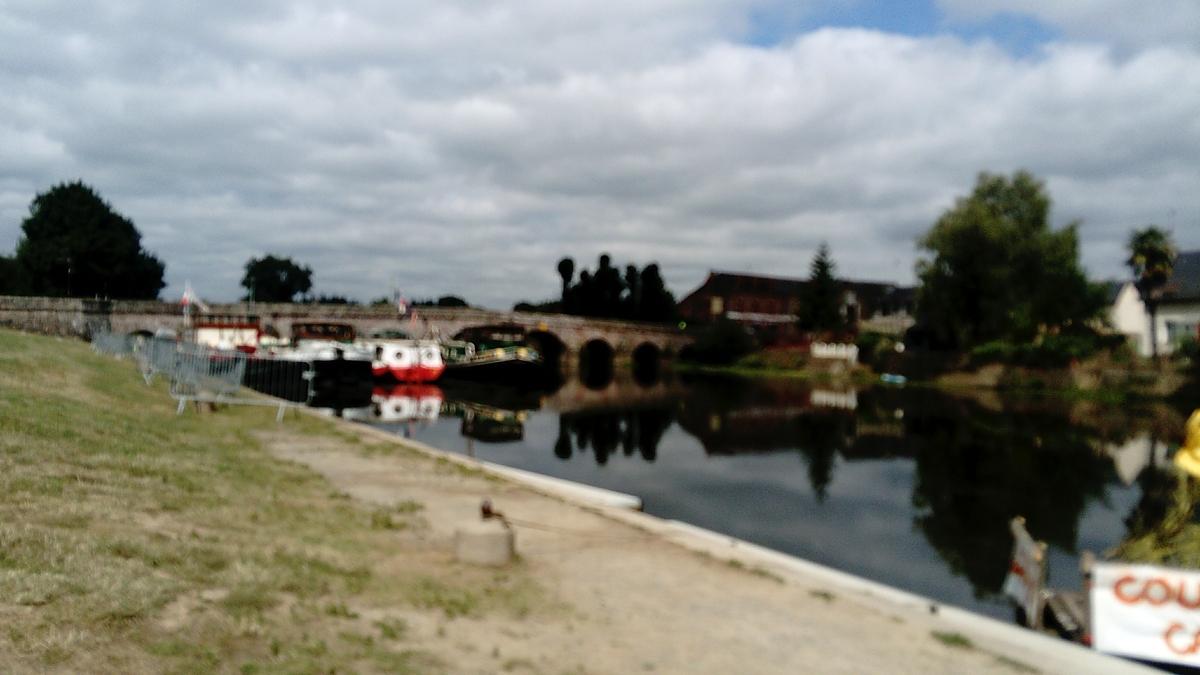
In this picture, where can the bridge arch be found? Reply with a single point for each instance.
(596, 363)
(550, 347)
(647, 360)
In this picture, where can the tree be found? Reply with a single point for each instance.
(658, 304)
(633, 298)
(1152, 260)
(821, 308)
(12, 277)
(74, 244)
(323, 299)
(566, 270)
(998, 272)
(608, 288)
(275, 279)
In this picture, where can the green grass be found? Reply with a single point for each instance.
(955, 640)
(133, 539)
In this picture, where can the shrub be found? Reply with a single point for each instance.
(873, 348)
(1053, 351)
(722, 343)
(1189, 349)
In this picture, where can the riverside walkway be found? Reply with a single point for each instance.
(641, 594)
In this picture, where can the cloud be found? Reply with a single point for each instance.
(457, 149)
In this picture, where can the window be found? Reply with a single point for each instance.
(1178, 331)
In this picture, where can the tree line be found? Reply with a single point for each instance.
(607, 293)
(992, 270)
(74, 244)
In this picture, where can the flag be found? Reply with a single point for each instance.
(190, 298)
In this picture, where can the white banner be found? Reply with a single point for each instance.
(1147, 612)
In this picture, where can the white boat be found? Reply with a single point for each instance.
(406, 360)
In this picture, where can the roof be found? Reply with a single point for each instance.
(1184, 285)
(1112, 289)
(724, 283)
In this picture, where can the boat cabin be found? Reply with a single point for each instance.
(322, 330)
(492, 337)
(223, 331)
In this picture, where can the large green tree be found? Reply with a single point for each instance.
(73, 243)
(275, 279)
(822, 298)
(12, 277)
(996, 270)
(1152, 261)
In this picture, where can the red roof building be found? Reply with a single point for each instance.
(771, 305)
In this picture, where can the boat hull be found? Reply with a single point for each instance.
(513, 372)
(408, 373)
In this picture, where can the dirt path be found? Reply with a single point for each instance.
(612, 598)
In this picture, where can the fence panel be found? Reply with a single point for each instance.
(204, 374)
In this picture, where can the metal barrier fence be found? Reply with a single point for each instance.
(112, 344)
(203, 374)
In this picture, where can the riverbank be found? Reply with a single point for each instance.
(1097, 380)
(133, 540)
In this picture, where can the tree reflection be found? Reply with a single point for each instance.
(737, 418)
(976, 463)
(606, 433)
(977, 468)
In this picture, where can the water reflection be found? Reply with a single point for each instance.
(607, 433)
(912, 487)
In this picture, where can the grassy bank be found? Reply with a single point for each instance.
(756, 368)
(135, 540)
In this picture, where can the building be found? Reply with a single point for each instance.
(1178, 315)
(771, 305)
(1179, 309)
(1127, 314)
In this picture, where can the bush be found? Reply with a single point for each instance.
(721, 344)
(1189, 349)
(1053, 351)
(874, 348)
(996, 351)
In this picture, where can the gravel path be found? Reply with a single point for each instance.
(627, 601)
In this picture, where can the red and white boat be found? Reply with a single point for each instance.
(407, 360)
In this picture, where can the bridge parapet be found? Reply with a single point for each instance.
(75, 316)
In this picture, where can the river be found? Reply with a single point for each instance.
(906, 486)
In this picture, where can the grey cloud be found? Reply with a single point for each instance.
(454, 151)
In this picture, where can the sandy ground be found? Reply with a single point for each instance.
(624, 600)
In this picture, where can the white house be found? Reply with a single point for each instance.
(1179, 309)
(1178, 316)
(1127, 315)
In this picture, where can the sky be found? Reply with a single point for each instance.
(465, 146)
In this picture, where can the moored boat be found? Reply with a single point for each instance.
(493, 354)
(407, 360)
(230, 332)
(341, 369)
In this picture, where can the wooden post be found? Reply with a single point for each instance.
(1026, 579)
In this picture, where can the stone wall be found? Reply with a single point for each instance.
(55, 316)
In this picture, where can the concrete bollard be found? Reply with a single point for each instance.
(484, 542)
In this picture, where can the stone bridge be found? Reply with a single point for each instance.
(556, 335)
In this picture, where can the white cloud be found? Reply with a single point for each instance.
(465, 150)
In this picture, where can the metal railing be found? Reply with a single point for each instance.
(202, 374)
(113, 344)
